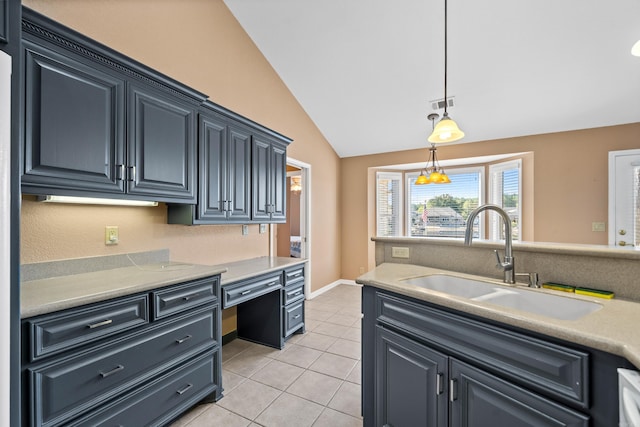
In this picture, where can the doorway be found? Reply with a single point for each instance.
(624, 198)
(292, 239)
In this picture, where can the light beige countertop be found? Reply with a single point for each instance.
(613, 328)
(248, 268)
(62, 292)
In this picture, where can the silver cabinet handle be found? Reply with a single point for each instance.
(297, 316)
(103, 323)
(111, 372)
(187, 338)
(453, 395)
(230, 205)
(275, 282)
(297, 293)
(188, 297)
(120, 172)
(184, 389)
(439, 377)
(245, 292)
(132, 173)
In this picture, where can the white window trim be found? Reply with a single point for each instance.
(493, 171)
(450, 172)
(401, 209)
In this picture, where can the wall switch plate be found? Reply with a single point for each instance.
(361, 270)
(397, 252)
(111, 236)
(598, 226)
(245, 230)
(263, 228)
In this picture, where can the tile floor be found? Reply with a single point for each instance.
(314, 381)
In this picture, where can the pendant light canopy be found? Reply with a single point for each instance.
(446, 130)
(635, 50)
(433, 173)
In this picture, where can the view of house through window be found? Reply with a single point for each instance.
(441, 210)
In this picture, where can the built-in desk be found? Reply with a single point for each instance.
(269, 295)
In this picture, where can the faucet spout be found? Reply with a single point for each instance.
(507, 265)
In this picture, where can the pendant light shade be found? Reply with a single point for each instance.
(635, 50)
(446, 130)
(433, 173)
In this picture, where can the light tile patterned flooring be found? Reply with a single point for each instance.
(314, 381)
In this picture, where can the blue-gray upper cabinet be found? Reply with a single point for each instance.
(162, 145)
(224, 194)
(74, 124)
(269, 164)
(97, 123)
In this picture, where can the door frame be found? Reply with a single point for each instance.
(305, 221)
(613, 155)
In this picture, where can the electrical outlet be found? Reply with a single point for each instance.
(245, 230)
(361, 270)
(397, 252)
(263, 228)
(111, 236)
(598, 226)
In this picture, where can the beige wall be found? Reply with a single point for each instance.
(199, 43)
(569, 186)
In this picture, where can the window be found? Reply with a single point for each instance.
(505, 190)
(389, 203)
(441, 210)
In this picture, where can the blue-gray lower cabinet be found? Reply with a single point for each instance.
(143, 372)
(425, 365)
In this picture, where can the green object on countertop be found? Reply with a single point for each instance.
(595, 293)
(558, 287)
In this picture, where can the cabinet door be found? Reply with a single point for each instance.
(410, 387)
(239, 174)
(261, 166)
(162, 149)
(74, 125)
(479, 399)
(278, 183)
(213, 168)
(4, 26)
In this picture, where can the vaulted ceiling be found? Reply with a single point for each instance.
(366, 71)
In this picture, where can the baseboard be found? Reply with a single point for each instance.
(227, 338)
(331, 286)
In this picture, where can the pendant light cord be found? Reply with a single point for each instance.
(445, 58)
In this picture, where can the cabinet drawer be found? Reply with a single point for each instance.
(66, 388)
(552, 369)
(172, 393)
(185, 297)
(243, 291)
(293, 293)
(58, 332)
(294, 275)
(293, 318)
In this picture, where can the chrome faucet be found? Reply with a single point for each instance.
(508, 263)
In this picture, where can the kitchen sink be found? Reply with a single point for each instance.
(453, 285)
(528, 300)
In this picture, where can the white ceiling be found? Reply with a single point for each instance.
(365, 70)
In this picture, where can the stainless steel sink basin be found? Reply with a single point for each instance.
(528, 300)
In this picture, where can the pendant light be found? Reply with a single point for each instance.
(635, 50)
(446, 130)
(436, 174)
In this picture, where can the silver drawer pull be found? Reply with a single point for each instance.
(297, 316)
(188, 297)
(111, 372)
(103, 323)
(296, 275)
(272, 283)
(184, 390)
(187, 338)
(246, 292)
(297, 293)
